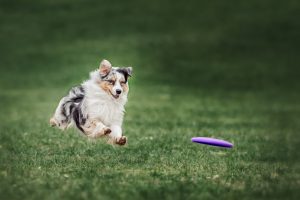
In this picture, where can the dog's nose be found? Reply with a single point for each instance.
(118, 91)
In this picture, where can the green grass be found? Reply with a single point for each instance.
(217, 69)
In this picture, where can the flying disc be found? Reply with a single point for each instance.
(212, 142)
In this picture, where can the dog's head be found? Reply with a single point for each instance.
(114, 80)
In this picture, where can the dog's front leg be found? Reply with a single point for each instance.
(116, 136)
(95, 129)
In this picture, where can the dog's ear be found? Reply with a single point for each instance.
(129, 71)
(126, 71)
(104, 68)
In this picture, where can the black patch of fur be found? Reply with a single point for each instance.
(124, 72)
(78, 117)
(78, 98)
(81, 89)
(103, 77)
(63, 111)
(78, 93)
(71, 108)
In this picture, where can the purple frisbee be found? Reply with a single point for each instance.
(212, 141)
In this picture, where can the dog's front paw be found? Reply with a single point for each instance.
(102, 132)
(106, 131)
(122, 140)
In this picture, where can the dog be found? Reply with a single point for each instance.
(96, 107)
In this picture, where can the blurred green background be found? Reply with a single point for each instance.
(225, 69)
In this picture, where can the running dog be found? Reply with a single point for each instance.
(96, 107)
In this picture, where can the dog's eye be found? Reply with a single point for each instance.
(111, 82)
(122, 82)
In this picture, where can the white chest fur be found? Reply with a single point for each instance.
(98, 104)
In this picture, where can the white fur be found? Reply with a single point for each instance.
(99, 105)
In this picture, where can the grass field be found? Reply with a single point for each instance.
(220, 69)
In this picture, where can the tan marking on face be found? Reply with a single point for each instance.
(124, 85)
(107, 86)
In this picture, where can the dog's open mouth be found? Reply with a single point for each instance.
(115, 96)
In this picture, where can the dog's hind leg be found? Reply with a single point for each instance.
(61, 116)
